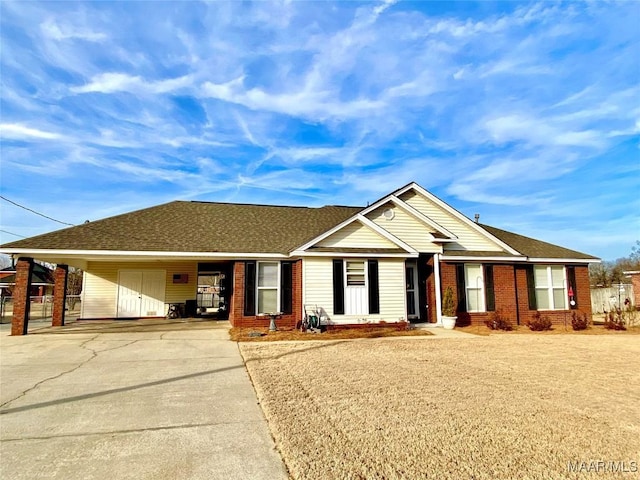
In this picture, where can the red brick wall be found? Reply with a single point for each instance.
(21, 304)
(237, 317)
(635, 281)
(512, 299)
(432, 311)
(59, 295)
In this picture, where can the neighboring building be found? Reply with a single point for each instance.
(635, 281)
(387, 262)
(41, 282)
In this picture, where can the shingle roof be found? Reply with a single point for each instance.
(198, 227)
(533, 248)
(237, 228)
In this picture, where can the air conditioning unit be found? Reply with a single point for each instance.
(180, 278)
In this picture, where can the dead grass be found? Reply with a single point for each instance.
(496, 407)
(243, 334)
(556, 330)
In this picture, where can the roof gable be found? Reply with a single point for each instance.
(469, 234)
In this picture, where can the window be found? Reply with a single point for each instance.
(267, 285)
(551, 287)
(355, 273)
(474, 288)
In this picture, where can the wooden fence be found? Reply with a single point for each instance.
(606, 299)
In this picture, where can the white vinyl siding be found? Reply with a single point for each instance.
(474, 285)
(100, 291)
(468, 238)
(318, 290)
(356, 235)
(405, 227)
(551, 287)
(267, 296)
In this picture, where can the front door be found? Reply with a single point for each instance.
(141, 293)
(356, 298)
(413, 297)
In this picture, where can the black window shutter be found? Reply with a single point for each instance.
(462, 293)
(489, 292)
(571, 273)
(531, 288)
(249, 288)
(338, 288)
(374, 288)
(286, 287)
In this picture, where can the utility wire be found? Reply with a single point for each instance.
(33, 211)
(11, 233)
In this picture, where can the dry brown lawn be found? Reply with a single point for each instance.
(556, 330)
(483, 407)
(245, 334)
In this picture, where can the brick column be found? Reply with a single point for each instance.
(21, 304)
(60, 276)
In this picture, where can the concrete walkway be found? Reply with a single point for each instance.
(440, 332)
(120, 401)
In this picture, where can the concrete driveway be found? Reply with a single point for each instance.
(130, 400)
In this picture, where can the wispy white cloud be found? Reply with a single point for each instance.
(52, 29)
(122, 82)
(20, 132)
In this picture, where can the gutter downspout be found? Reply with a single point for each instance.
(436, 272)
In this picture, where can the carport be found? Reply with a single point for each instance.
(21, 301)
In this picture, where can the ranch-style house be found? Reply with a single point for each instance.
(388, 262)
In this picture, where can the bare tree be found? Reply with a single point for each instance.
(74, 286)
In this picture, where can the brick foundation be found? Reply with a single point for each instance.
(21, 303)
(60, 276)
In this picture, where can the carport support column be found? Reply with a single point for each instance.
(21, 290)
(60, 276)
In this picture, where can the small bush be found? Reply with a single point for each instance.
(615, 321)
(579, 321)
(539, 323)
(497, 322)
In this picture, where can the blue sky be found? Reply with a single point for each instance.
(526, 113)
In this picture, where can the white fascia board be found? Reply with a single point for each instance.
(410, 210)
(132, 253)
(392, 238)
(457, 214)
(564, 260)
(446, 258)
(365, 254)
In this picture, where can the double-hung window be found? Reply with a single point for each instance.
(551, 287)
(267, 287)
(474, 287)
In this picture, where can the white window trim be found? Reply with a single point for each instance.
(550, 288)
(258, 287)
(482, 307)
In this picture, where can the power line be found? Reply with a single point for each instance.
(11, 233)
(33, 211)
